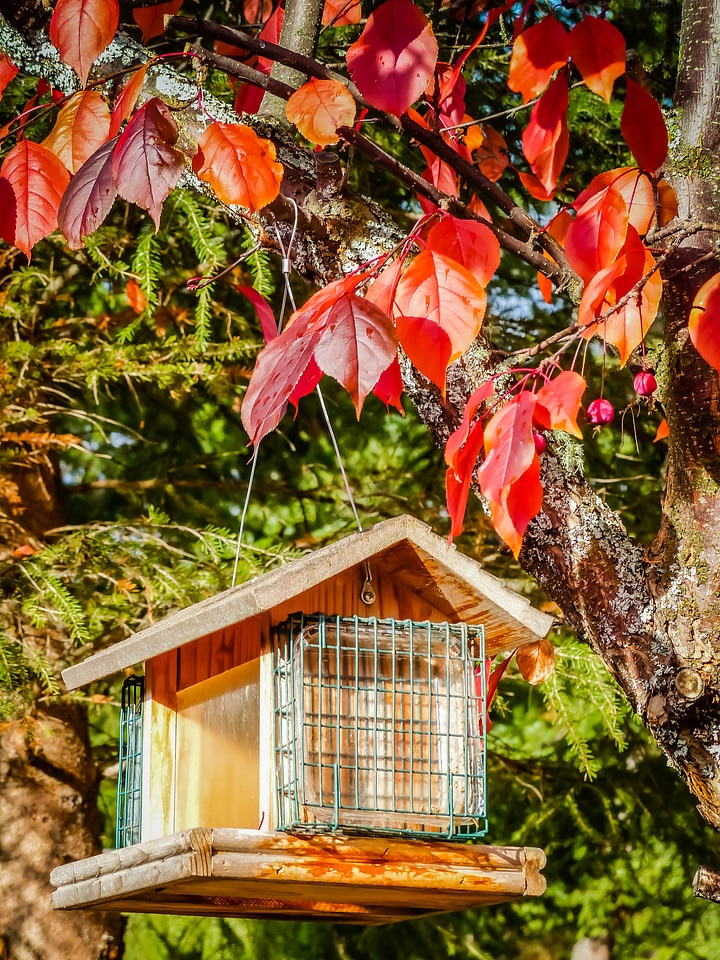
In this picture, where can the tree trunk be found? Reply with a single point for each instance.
(48, 780)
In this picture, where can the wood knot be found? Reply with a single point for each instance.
(689, 684)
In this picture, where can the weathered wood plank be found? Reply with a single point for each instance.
(510, 619)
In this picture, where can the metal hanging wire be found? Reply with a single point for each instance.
(286, 270)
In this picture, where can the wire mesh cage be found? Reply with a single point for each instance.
(129, 794)
(379, 726)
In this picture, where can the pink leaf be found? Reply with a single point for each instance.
(394, 58)
(89, 196)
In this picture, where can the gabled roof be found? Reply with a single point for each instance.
(402, 547)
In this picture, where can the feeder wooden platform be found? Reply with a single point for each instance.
(248, 873)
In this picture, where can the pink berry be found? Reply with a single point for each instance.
(540, 442)
(600, 412)
(645, 384)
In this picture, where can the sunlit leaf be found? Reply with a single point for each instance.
(125, 103)
(598, 51)
(239, 165)
(536, 660)
(341, 13)
(509, 445)
(441, 289)
(537, 53)
(394, 57)
(518, 504)
(82, 125)
(704, 322)
(7, 72)
(545, 140)
(81, 29)
(33, 184)
(558, 403)
(318, 108)
(598, 233)
(427, 345)
(151, 20)
(473, 245)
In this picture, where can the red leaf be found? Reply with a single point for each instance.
(7, 72)
(282, 363)
(239, 165)
(545, 140)
(473, 245)
(537, 53)
(268, 324)
(89, 196)
(536, 189)
(442, 290)
(394, 57)
(518, 504)
(81, 29)
(357, 346)
(318, 108)
(151, 20)
(461, 434)
(146, 166)
(598, 233)
(625, 327)
(427, 345)
(390, 386)
(704, 322)
(82, 125)
(536, 660)
(35, 181)
(598, 51)
(509, 446)
(125, 103)
(459, 477)
(558, 403)
(643, 127)
(557, 228)
(306, 384)
(341, 13)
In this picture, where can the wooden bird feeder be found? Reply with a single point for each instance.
(310, 743)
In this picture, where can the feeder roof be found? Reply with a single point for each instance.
(403, 547)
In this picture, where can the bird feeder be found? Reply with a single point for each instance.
(311, 744)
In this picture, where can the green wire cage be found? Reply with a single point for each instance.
(379, 726)
(129, 794)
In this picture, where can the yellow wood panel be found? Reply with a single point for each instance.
(159, 747)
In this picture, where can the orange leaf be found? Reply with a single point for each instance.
(32, 182)
(625, 327)
(82, 125)
(668, 203)
(557, 228)
(598, 233)
(81, 29)
(473, 245)
(558, 403)
(136, 298)
(458, 478)
(491, 155)
(663, 431)
(634, 186)
(643, 127)
(427, 345)
(341, 13)
(537, 53)
(125, 103)
(318, 108)
(239, 165)
(536, 660)
(545, 140)
(441, 289)
(151, 20)
(704, 322)
(598, 51)
(257, 11)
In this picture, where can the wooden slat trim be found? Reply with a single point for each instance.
(280, 585)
